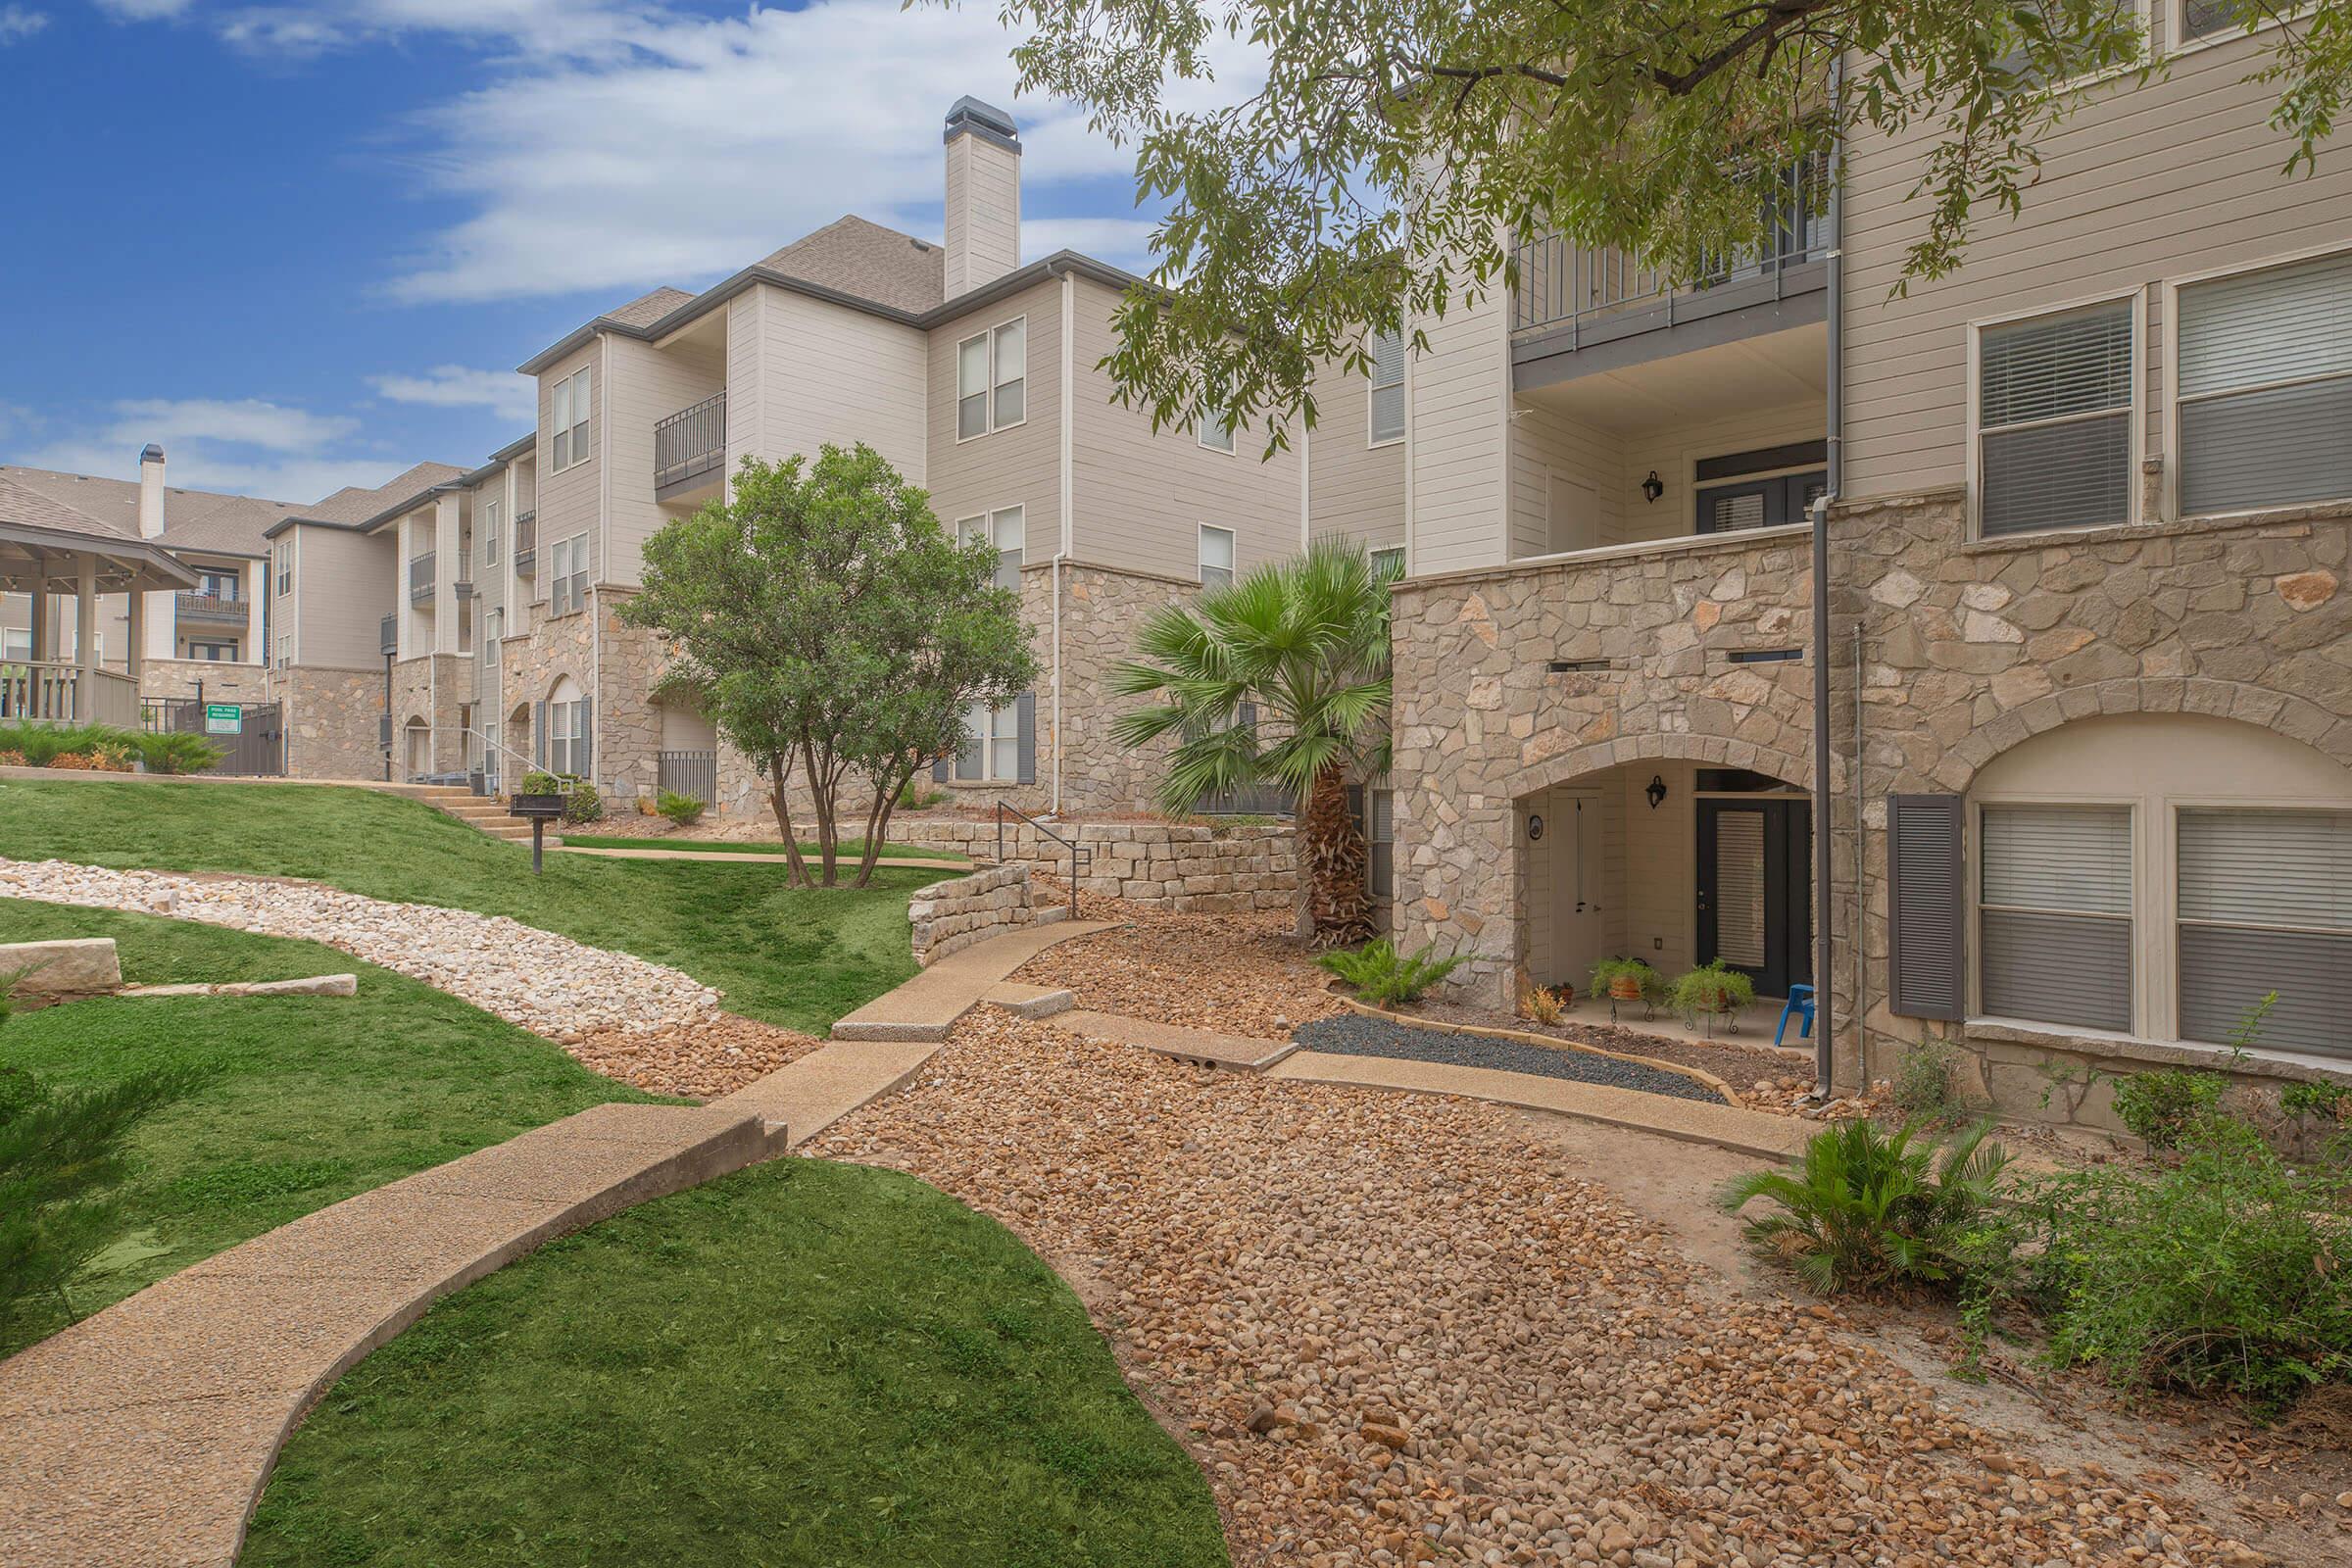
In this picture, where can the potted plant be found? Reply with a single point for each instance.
(1714, 990)
(1622, 979)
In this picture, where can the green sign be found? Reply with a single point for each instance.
(224, 718)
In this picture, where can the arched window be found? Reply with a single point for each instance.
(566, 729)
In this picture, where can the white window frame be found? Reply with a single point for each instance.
(563, 738)
(226, 654)
(1233, 551)
(567, 589)
(2176, 28)
(569, 403)
(1396, 551)
(2171, 287)
(1215, 420)
(2146, 10)
(16, 643)
(285, 649)
(490, 511)
(283, 566)
(2138, 411)
(996, 382)
(2144, 887)
(991, 727)
(494, 625)
(1373, 384)
(991, 527)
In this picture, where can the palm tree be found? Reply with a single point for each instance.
(1280, 679)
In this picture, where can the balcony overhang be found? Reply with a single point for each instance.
(1777, 300)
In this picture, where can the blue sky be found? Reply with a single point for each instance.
(304, 244)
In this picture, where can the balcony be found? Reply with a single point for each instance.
(387, 635)
(421, 580)
(690, 451)
(1609, 310)
(213, 610)
(526, 543)
(54, 693)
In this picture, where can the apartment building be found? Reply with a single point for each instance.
(2091, 680)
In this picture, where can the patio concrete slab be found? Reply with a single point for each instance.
(927, 1006)
(1205, 1047)
(1748, 1132)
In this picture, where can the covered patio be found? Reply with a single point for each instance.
(48, 549)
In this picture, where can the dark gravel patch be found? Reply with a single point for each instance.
(1354, 1034)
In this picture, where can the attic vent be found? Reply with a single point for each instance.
(918, 244)
(1579, 667)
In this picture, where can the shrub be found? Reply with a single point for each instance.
(1712, 988)
(1382, 978)
(177, 751)
(2225, 1270)
(917, 795)
(1542, 1004)
(1921, 1088)
(2326, 1101)
(581, 803)
(43, 744)
(2160, 1108)
(683, 810)
(1866, 1209)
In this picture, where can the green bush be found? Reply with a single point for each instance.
(177, 751)
(41, 745)
(2227, 1269)
(915, 796)
(1865, 1209)
(581, 803)
(1382, 978)
(1713, 988)
(683, 810)
(1922, 1087)
(2161, 1107)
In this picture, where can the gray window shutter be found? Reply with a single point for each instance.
(1247, 715)
(939, 771)
(539, 734)
(1025, 717)
(2265, 387)
(587, 747)
(1925, 899)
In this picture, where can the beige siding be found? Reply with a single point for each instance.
(343, 588)
(645, 386)
(1020, 465)
(1356, 489)
(1547, 446)
(1140, 496)
(571, 502)
(983, 213)
(824, 373)
(1458, 393)
(2149, 182)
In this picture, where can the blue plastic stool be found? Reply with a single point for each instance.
(1799, 1002)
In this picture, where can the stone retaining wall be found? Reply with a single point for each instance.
(949, 917)
(1167, 865)
(333, 719)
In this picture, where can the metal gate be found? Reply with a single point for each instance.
(258, 750)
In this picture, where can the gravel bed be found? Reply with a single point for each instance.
(551, 984)
(1396, 1328)
(1237, 973)
(1354, 1035)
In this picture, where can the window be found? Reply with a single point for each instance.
(494, 625)
(285, 567)
(1216, 556)
(567, 422)
(2200, 20)
(564, 753)
(490, 511)
(2265, 392)
(285, 649)
(2054, 410)
(16, 642)
(1389, 563)
(568, 585)
(1217, 430)
(2266, 904)
(991, 379)
(1387, 397)
(991, 745)
(2054, 914)
(216, 584)
(214, 653)
(1379, 843)
(1002, 529)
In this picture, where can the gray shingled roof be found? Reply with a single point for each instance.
(21, 501)
(193, 519)
(647, 308)
(351, 505)
(854, 257)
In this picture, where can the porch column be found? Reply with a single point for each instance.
(163, 624)
(136, 656)
(85, 617)
(41, 638)
(257, 588)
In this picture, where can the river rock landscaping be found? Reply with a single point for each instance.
(1359, 1035)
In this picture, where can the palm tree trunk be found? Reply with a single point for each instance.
(1337, 906)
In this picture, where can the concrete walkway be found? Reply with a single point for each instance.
(751, 857)
(927, 1006)
(1204, 1048)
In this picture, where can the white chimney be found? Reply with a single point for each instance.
(984, 195)
(151, 491)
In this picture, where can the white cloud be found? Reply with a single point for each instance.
(1122, 241)
(18, 23)
(249, 446)
(249, 421)
(143, 10)
(458, 386)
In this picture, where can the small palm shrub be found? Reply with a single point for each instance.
(1380, 976)
(177, 751)
(1866, 1209)
(683, 810)
(1714, 989)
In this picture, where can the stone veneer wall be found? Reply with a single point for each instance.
(1185, 869)
(949, 917)
(332, 721)
(1971, 647)
(431, 687)
(1482, 720)
(222, 682)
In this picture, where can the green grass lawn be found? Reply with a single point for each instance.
(306, 1100)
(801, 959)
(802, 1364)
(847, 851)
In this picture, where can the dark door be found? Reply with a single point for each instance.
(1754, 895)
(1759, 502)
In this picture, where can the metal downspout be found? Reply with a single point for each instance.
(1824, 839)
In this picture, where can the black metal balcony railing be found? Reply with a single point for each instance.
(387, 634)
(420, 578)
(220, 608)
(690, 443)
(526, 543)
(1561, 283)
(692, 773)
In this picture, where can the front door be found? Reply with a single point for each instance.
(1573, 832)
(1754, 896)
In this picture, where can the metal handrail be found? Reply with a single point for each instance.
(1081, 857)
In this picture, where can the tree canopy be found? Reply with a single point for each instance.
(1399, 150)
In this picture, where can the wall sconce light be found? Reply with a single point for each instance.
(1656, 791)
(1654, 486)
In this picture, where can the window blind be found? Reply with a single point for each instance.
(1387, 387)
(2266, 904)
(2054, 927)
(2265, 387)
(1739, 889)
(2054, 420)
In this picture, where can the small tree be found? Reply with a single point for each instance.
(832, 629)
(1283, 679)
